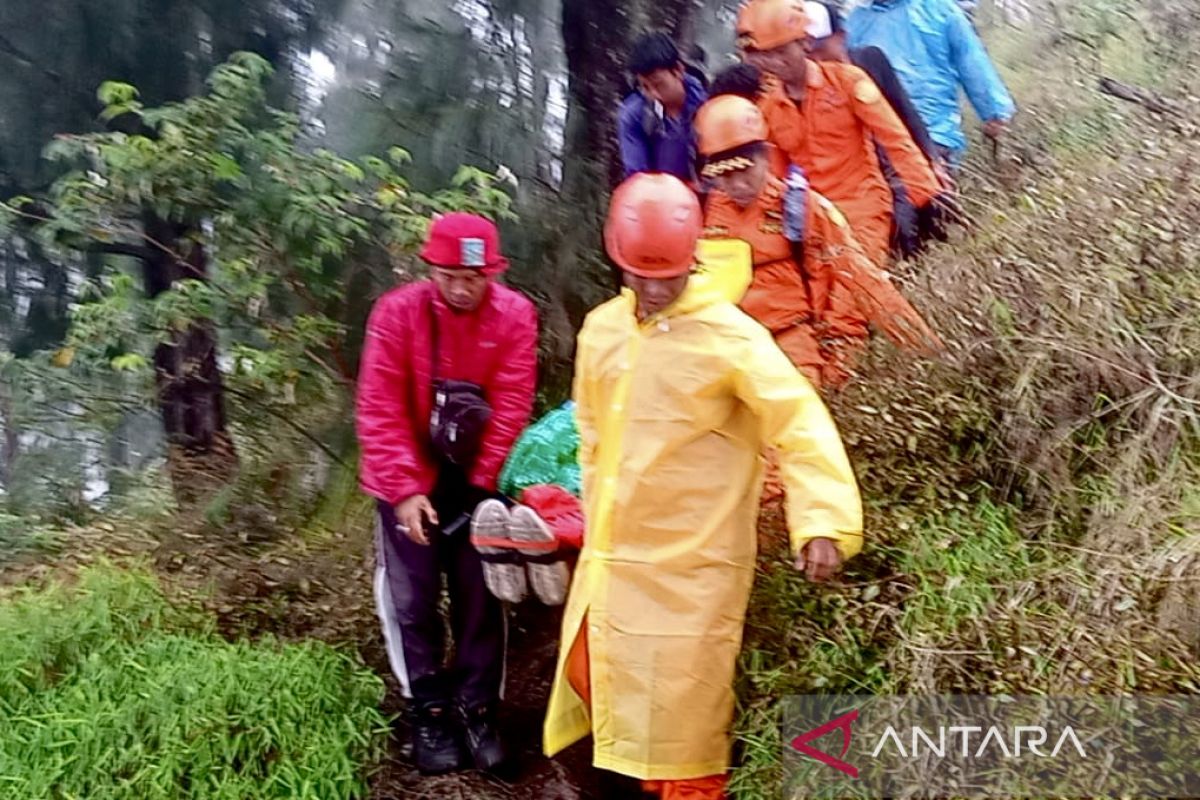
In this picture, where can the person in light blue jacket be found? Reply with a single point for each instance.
(934, 49)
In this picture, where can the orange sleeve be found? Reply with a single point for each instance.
(881, 120)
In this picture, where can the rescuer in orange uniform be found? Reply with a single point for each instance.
(826, 117)
(813, 286)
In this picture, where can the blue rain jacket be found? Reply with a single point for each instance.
(934, 49)
(666, 145)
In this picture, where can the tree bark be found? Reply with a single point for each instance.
(597, 36)
(10, 443)
(200, 452)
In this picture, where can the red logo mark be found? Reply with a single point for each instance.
(842, 723)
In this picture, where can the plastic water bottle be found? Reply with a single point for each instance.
(795, 204)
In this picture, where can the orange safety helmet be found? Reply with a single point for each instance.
(767, 24)
(654, 222)
(728, 122)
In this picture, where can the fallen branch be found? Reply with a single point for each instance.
(1152, 101)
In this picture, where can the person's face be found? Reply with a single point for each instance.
(831, 48)
(655, 294)
(787, 62)
(744, 186)
(665, 86)
(461, 289)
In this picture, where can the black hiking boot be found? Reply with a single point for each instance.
(483, 741)
(620, 787)
(435, 744)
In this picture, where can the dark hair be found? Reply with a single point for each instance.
(835, 17)
(742, 80)
(653, 52)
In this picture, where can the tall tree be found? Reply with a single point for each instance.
(235, 228)
(597, 35)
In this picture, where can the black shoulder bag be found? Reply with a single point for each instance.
(460, 411)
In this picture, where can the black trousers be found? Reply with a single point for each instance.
(906, 224)
(408, 592)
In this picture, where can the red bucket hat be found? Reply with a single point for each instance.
(466, 241)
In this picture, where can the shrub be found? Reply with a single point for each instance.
(110, 691)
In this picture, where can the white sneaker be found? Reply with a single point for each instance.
(490, 526)
(548, 575)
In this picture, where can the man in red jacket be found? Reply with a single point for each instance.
(459, 329)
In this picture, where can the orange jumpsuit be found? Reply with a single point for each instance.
(832, 135)
(819, 325)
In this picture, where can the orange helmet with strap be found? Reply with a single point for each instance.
(654, 222)
(767, 24)
(728, 122)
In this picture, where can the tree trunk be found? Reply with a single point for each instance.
(10, 442)
(200, 452)
(597, 37)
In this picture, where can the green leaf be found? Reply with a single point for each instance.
(115, 110)
(352, 170)
(129, 362)
(255, 65)
(113, 93)
(225, 168)
(377, 167)
(399, 156)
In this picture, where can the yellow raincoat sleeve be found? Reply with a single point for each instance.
(822, 493)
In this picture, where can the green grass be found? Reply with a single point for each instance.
(1031, 504)
(109, 691)
(920, 584)
(21, 536)
(959, 564)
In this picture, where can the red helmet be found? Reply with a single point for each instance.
(464, 240)
(654, 222)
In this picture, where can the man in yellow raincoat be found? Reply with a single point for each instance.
(677, 392)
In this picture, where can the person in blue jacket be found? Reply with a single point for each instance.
(655, 121)
(934, 49)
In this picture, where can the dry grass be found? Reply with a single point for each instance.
(1033, 495)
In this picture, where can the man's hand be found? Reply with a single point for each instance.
(412, 514)
(819, 559)
(995, 128)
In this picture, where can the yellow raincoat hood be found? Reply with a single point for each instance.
(723, 273)
(673, 413)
